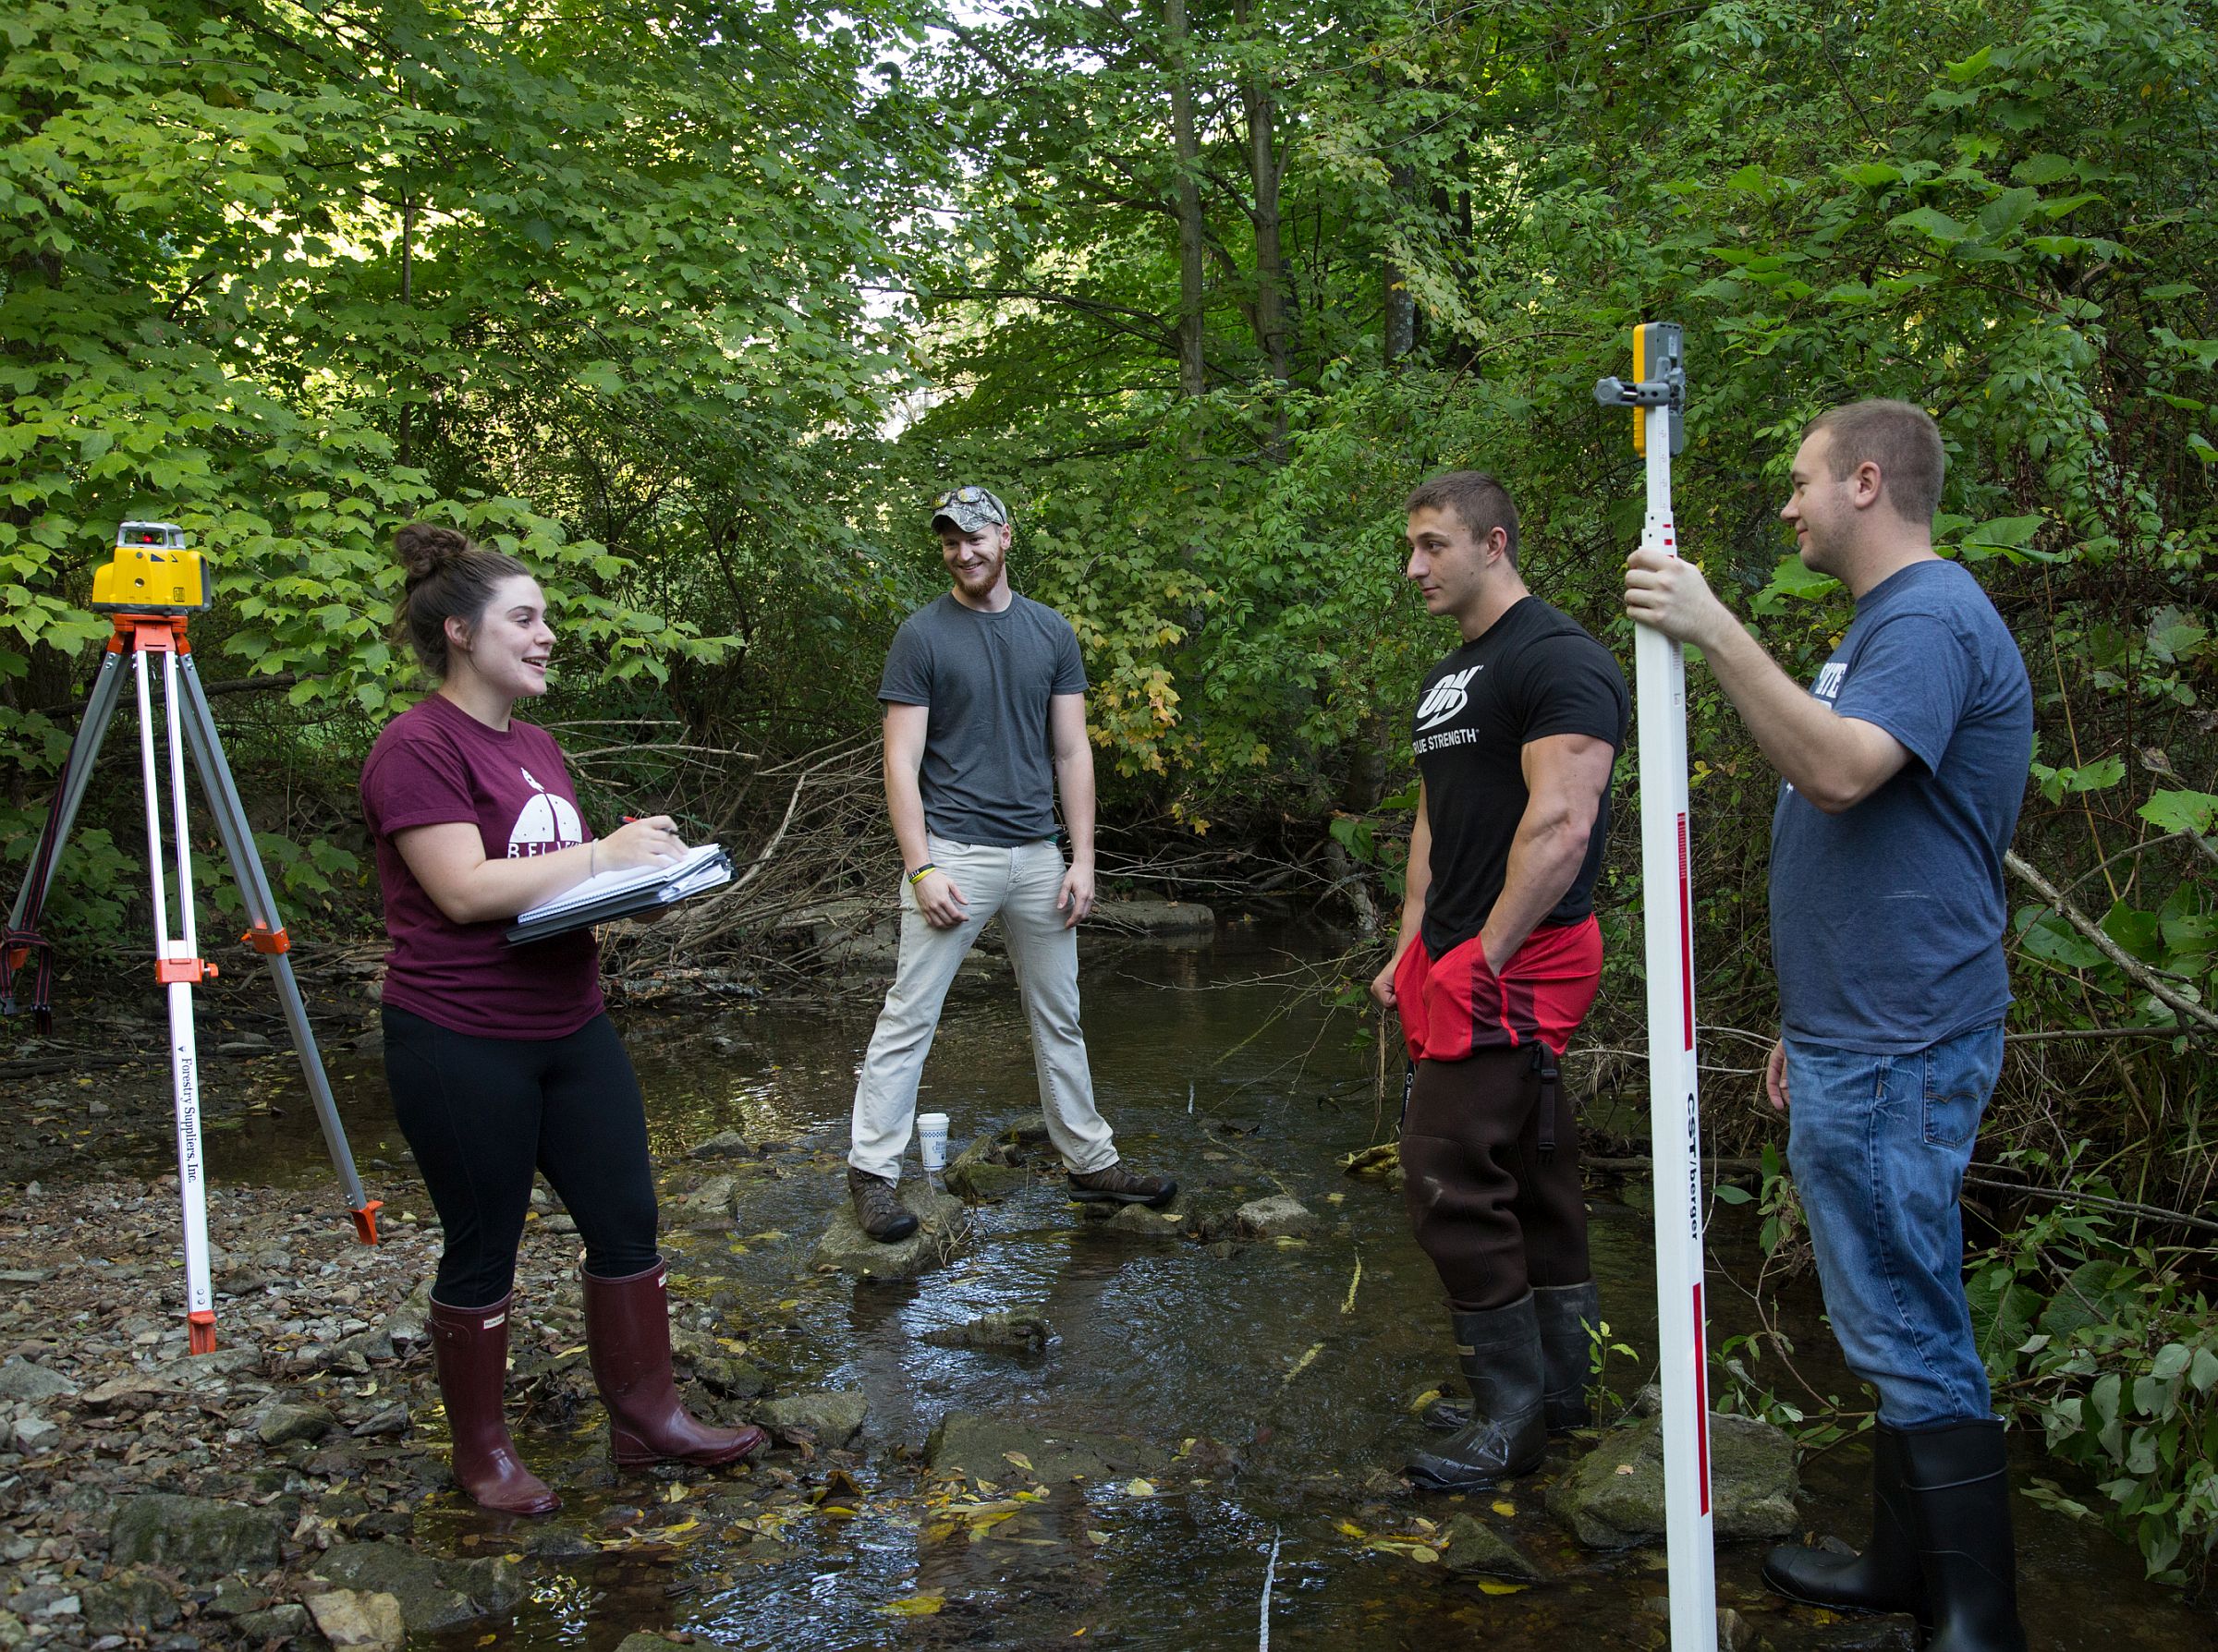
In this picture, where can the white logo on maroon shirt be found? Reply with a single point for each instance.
(546, 824)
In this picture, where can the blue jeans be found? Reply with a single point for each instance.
(1878, 1145)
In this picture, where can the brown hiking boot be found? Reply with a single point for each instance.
(878, 1212)
(1116, 1185)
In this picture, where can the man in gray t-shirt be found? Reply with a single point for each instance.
(1904, 765)
(985, 719)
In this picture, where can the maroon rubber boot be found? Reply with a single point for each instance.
(470, 1348)
(628, 1339)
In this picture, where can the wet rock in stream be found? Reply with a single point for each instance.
(1613, 1497)
(985, 1170)
(1016, 1332)
(943, 1223)
(1471, 1545)
(831, 1418)
(988, 1448)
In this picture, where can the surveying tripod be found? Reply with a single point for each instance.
(152, 562)
(1658, 398)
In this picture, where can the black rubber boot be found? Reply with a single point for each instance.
(1566, 1358)
(1958, 1486)
(1884, 1577)
(1567, 1351)
(1500, 1352)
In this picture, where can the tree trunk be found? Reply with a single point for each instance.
(1193, 369)
(1271, 322)
(1401, 308)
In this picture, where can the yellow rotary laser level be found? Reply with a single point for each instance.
(151, 572)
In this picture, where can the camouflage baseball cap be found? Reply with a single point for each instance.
(968, 508)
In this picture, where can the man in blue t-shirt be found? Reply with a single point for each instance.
(985, 720)
(1904, 765)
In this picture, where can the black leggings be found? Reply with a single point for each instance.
(481, 1114)
(1493, 1212)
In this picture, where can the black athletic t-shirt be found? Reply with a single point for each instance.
(1534, 673)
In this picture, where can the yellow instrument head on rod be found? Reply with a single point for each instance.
(151, 572)
(1660, 355)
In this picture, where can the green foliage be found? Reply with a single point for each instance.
(2104, 1344)
(587, 283)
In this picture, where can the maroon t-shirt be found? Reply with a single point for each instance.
(433, 764)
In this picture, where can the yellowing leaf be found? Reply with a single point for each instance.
(1140, 1488)
(1020, 1460)
(915, 1606)
(1507, 1510)
(1487, 1587)
(1353, 1530)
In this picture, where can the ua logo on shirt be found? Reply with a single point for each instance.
(546, 824)
(1446, 698)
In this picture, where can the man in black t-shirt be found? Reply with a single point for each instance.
(1498, 959)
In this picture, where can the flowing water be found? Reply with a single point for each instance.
(1255, 1392)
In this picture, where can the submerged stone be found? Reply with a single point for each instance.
(724, 1144)
(987, 1448)
(1471, 1545)
(1614, 1497)
(1137, 1221)
(1007, 1333)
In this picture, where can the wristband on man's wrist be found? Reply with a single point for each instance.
(921, 872)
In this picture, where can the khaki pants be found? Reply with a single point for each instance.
(1020, 884)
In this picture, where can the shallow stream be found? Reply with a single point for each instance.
(1290, 1368)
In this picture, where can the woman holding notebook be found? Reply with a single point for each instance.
(501, 1060)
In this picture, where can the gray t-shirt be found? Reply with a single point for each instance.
(989, 772)
(1888, 918)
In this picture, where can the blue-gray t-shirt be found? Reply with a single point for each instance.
(989, 770)
(1888, 918)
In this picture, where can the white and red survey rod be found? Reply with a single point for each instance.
(1658, 395)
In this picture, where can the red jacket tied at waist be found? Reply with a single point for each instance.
(1456, 1004)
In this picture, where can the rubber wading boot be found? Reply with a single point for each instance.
(1884, 1577)
(1566, 1358)
(1113, 1185)
(470, 1346)
(628, 1340)
(1958, 1486)
(877, 1211)
(1500, 1352)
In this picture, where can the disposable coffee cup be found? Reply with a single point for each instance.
(931, 1139)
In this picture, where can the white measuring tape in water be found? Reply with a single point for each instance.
(1657, 397)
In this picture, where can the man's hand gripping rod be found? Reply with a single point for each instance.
(1658, 396)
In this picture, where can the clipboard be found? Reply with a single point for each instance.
(625, 893)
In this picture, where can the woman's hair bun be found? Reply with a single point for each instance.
(426, 547)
